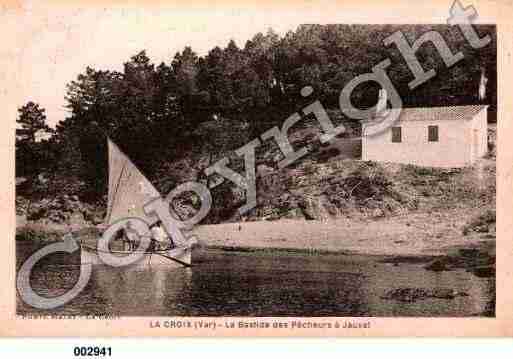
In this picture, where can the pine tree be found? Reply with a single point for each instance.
(32, 119)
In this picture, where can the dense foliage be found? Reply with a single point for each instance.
(152, 111)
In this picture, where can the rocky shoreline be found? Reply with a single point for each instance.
(333, 205)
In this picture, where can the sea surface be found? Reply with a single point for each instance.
(258, 284)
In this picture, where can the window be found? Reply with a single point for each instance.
(396, 134)
(433, 133)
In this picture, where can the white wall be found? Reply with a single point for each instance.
(480, 124)
(453, 148)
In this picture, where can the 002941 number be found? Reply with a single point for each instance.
(92, 351)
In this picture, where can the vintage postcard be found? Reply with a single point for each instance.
(285, 168)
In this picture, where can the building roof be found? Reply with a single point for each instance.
(441, 113)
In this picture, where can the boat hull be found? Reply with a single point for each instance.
(174, 258)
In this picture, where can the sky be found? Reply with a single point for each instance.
(51, 43)
(64, 43)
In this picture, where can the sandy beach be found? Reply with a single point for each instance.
(411, 234)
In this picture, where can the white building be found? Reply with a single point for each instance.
(453, 136)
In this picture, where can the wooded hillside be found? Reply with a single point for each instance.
(203, 107)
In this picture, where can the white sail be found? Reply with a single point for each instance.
(129, 190)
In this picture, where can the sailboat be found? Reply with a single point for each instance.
(129, 190)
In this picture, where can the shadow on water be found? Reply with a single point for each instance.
(262, 284)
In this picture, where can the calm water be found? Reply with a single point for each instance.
(249, 284)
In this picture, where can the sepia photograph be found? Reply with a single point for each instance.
(175, 166)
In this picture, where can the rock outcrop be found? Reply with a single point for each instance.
(63, 209)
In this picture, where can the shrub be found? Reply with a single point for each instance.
(36, 235)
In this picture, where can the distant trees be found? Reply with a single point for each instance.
(152, 110)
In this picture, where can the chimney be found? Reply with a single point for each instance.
(482, 85)
(382, 102)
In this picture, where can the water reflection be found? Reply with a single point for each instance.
(244, 284)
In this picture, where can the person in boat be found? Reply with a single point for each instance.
(159, 237)
(119, 240)
(130, 237)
